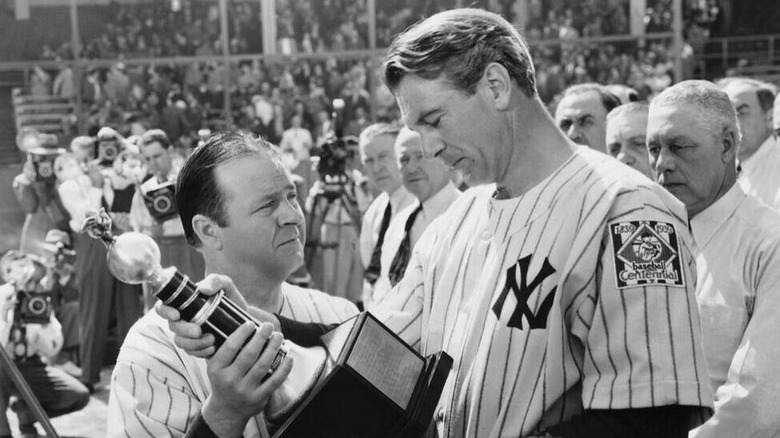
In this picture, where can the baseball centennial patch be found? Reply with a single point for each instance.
(646, 253)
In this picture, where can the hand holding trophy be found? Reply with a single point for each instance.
(134, 258)
(364, 381)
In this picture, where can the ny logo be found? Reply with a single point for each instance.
(522, 293)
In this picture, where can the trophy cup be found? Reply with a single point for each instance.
(363, 382)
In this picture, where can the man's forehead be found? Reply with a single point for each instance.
(588, 102)
(380, 143)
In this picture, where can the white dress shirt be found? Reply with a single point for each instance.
(737, 250)
(432, 208)
(372, 219)
(760, 176)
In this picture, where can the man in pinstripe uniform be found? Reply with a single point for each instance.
(239, 207)
(562, 284)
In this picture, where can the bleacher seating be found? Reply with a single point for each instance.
(44, 113)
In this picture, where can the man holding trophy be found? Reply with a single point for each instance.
(239, 207)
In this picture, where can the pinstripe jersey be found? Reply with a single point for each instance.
(579, 294)
(157, 389)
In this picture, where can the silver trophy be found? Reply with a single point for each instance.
(134, 258)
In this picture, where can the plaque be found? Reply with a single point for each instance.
(373, 386)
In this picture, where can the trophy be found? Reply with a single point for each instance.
(362, 382)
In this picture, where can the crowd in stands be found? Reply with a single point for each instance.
(182, 99)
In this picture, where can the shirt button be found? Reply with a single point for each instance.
(440, 416)
(486, 235)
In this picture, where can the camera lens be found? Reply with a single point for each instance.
(37, 306)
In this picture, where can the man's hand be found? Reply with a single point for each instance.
(236, 372)
(188, 336)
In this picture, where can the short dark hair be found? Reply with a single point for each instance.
(608, 100)
(156, 135)
(459, 44)
(197, 190)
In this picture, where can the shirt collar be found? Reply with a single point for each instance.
(398, 196)
(441, 201)
(705, 224)
(762, 153)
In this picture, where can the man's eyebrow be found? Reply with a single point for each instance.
(743, 106)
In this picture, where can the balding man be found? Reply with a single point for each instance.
(626, 132)
(429, 180)
(759, 155)
(582, 114)
(693, 139)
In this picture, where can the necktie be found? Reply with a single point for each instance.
(375, 265)
(401, 259)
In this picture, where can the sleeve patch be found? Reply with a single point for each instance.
(646, 253)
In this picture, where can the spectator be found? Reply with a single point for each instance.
(297, 138)
(582, 114)
(759, 152)
(693, 139)
(625, 135)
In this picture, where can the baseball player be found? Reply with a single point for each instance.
(239, 207)
(562, 283)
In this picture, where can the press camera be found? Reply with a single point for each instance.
(161, 201)
(42, 158)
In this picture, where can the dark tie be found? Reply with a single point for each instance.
(401, 259)
(375, 265)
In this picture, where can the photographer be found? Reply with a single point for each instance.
(153, 208)
(35, 189)
(30, 333)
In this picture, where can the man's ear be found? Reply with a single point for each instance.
(209, 233)
(499, 83)
(729, 140)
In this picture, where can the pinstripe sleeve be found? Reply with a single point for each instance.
(402, 308)
(143, 403)
(643, 345)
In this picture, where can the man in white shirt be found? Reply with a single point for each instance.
(693, 140)
(429, 180)
(759, 154)
(297, 138)
(626, 133)
(377, 152)
(169, 234)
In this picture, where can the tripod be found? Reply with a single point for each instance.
(333, 207)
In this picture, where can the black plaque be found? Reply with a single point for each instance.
(374, 386)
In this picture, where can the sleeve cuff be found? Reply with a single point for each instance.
(305, 334)
(200, 429)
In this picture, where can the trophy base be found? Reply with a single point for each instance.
(376, 387)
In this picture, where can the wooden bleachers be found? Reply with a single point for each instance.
(44, 113)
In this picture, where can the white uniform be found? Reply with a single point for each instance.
(579, 294)
(760, 176)
(157, 389)
(736, 242)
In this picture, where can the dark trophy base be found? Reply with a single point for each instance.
(375, 386)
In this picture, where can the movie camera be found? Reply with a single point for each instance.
(334, 154)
